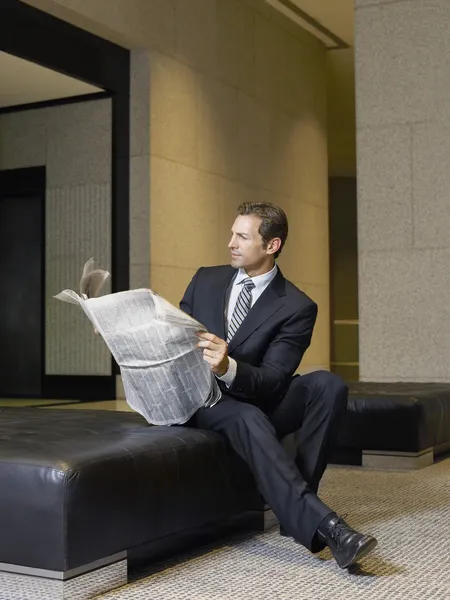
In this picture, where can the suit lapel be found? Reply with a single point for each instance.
(270, 301)
(218, 299)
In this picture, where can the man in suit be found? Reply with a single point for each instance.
(259, 326)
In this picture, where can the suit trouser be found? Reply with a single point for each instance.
(315, 404)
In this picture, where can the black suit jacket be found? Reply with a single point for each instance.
(270, 343)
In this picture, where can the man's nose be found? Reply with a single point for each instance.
(232, 243)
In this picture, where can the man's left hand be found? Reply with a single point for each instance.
(215, 352)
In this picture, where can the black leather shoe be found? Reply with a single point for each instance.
(347, 545)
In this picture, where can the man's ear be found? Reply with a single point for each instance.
(273, 246)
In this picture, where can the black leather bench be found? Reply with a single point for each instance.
(397, 425)
(84, 490)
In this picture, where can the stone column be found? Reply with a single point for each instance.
(403, 167)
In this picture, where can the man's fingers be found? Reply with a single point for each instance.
(206, 336)
(210, 345)
(210, 360)
(211, 338)
(212, 354)
(215, 362)
(204, 344)
(214, 349)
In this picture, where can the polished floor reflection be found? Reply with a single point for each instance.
(20, 402)
(118, 405)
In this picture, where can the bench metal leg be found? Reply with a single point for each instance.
(377, 459)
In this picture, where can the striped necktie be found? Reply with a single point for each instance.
(243, 304)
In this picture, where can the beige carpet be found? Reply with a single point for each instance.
(409, 512)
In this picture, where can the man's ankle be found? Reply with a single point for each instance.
(325, 525)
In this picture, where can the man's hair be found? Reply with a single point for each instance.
(274, 223)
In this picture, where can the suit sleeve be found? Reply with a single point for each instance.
(270, 380)
(187, 302)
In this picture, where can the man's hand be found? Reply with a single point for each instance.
(215, 352)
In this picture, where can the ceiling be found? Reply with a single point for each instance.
(23, 82)
(329, 20)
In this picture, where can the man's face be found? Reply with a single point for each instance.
(246, 245)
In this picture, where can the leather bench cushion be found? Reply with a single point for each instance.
(403, 417)
(79, 485)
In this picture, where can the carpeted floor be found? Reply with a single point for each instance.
(409, 513)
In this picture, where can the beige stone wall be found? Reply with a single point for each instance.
(237, 111)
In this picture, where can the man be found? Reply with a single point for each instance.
(259, 326)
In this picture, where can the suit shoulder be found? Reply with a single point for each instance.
(297, 297)
(216, 271)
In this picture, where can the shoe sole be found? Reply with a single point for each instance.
(363, 550)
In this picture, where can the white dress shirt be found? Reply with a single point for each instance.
(261, 282)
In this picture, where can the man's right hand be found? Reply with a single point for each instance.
(215, 352)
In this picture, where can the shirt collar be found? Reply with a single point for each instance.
(260, 281)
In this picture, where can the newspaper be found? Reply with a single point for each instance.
(154, 343)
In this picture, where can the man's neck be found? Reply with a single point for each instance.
(261, 270)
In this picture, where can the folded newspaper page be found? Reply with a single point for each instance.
(154, 343)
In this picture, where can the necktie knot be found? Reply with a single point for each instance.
(248, 284)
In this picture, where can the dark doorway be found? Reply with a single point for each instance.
(344, 278)
(41, 38)
(22, 243)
